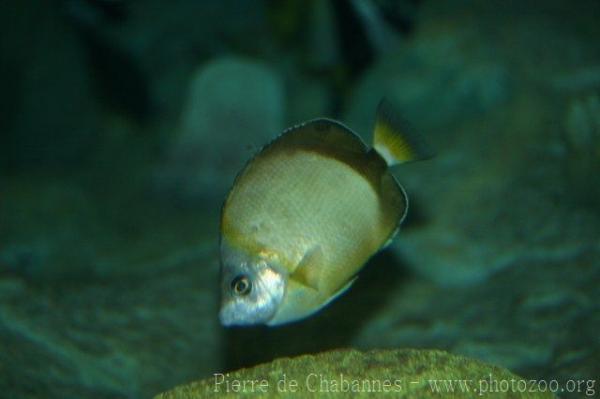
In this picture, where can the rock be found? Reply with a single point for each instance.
(484, 199)
(436, 79)
(97, 340)
(406, 373)
(515, 320)
(100, 297)
(234, 107)
(445, 75)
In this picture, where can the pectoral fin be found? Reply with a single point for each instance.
(307, 271)
(303, 296)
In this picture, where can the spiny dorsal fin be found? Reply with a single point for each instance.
(393, 140)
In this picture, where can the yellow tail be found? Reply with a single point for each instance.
(391, 140)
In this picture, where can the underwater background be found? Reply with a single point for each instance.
(124, 124)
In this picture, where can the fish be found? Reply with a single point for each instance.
(306, 213)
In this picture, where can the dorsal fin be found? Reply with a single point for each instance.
(327, 134)
(394, 141)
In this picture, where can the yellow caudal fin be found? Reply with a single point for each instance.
(392, 140)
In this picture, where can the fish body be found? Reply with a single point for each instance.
(304, 216)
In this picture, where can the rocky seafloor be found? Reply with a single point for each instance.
(109, 213)
(407, 374)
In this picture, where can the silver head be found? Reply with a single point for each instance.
(251, 289)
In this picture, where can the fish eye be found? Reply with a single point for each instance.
(241, 285)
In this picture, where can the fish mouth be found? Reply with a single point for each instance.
(226, 319)
(232, 314)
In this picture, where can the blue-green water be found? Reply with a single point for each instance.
(124, 123)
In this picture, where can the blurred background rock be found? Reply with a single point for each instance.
(124, 122)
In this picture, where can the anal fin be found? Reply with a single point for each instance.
(339, 292)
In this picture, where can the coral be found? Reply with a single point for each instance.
(407, 373)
